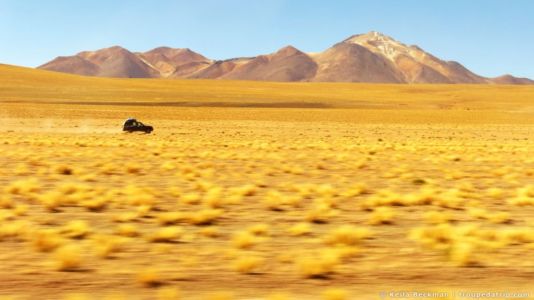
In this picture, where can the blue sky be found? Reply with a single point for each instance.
(491, 37)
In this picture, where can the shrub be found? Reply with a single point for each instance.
(76, 229)
(259, 229)
(205, 216)
(244, 240)
(437, 217)
(347, 235)
(106, 245)
(318, 265)
(382, 215)
(166, 235)
(300, 229)
(127, 230)
(248, 264)
(68, 257)
(46, 240)
(321, 213)
(149, 278)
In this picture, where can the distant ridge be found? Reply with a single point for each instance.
(372, 57)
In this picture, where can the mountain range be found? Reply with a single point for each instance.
(371, 57)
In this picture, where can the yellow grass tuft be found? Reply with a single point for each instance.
(382, 215)
(437, 217)
(149, 277)
(68, 257)
(126, 217)
(213, 197)
(96, 205)
(24, 187)
(210, 231)
(355, 190)
(244, 240)
(52, 200)
(127, 230)
(6, 202)
(495, 193)
(46, 240)
(20, 209)
(76, 229)
(300, 229)
(166, 235)
(107, 245)
(190, 198)
(318, 265)
(499, 217)
(461, 253)
(320, 213)
(204, 216)
(347, 235)
(139, 196)
(248, 264)
(274, 200)
(259, 229)
(169, 218)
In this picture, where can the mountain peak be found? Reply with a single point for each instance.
(384, 45)
(288, 50)
(371, 36)
(509, 79)
(114, 49)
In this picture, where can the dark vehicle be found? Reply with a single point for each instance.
(132, 125)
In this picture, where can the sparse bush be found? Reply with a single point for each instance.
(244, 240)
(259, 229)
(127, 230)
(347, 235)
(382, 215)
(46, 240)
(107, 245)
(68, 257)
(248, 264)
(149, 278)
(204, 216)
(166, 235)
(318, 265)
(210, 231)
(300, 229)
(76, 229)
(321, 213)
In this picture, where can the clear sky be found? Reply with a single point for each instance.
(490, 37)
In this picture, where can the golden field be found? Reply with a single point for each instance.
(250, 190)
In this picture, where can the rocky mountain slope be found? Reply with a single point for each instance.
(370, 57)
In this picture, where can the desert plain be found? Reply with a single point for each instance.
(258, 190)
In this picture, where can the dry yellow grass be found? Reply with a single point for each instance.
(385, 184)
(369, 103)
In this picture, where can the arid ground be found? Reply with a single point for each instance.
(285, 191)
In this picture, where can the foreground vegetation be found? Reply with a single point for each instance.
(256, 208)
